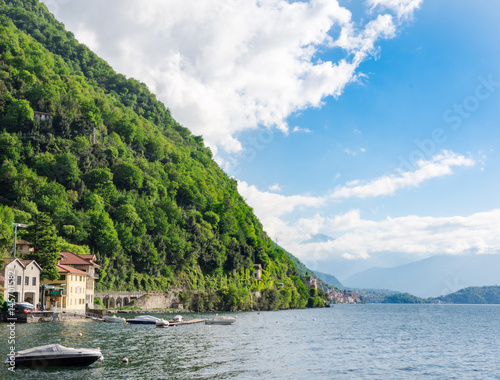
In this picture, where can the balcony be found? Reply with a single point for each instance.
(54, 292)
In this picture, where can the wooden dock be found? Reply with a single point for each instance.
(190, 322)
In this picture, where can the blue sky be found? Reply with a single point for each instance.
(372, 122)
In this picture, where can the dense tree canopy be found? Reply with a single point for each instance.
(113, 172)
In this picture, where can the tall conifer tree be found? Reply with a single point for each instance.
(43, 237)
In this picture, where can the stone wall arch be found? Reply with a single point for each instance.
(105, 301)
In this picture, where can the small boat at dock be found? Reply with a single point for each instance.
(220, 320)
(143, 320)
(162, 323)
(114, 319)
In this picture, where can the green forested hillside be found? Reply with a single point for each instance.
(118, 176)
(473, 295)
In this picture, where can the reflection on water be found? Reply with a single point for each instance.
(346, 341)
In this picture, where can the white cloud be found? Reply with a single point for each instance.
(227, 66)
(403, 8)
(358, 238)
(298, 129)
(266, 203)
(271, 207)
(276, 187)
(426, 236)
(437, 166)
(352, 152)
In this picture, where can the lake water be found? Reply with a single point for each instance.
(372, 341)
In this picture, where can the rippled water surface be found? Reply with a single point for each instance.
(342, 342)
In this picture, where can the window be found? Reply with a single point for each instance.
(34, 281)
(26, 281)
(18, 280)
(63, 277)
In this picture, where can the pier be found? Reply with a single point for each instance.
(190, 322)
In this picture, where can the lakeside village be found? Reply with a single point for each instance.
(73, 295)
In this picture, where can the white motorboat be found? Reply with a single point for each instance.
(220, 320)
(54, 355)
(178, 318)
(114, 319)
(162, 323)
(143, 320)
(24, 305)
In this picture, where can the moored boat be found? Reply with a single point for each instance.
(114, 319)
(143, 320)
(23, 305)
(178, 318)
(54, 355)
(220, 320)
(162, 323)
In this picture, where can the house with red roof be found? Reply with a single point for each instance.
(23, 247)
(74, 290)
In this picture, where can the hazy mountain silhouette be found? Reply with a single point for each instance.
(432, 277)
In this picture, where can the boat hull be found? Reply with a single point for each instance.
(144, 320)
(114, 320)
(61, 361)
(132, 322)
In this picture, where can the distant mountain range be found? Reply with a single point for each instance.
(318, 238)
(432, 277)
(304, 270)
(329, 279)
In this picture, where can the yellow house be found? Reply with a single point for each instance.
(74, 290)
(67, 292)
(87, 264)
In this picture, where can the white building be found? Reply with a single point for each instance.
(21, 280)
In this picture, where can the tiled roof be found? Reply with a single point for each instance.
(67, 269)
(70, 258)
(24, 263)
(28, 262)
(42, 113)
(88, 257)
(21, 241)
